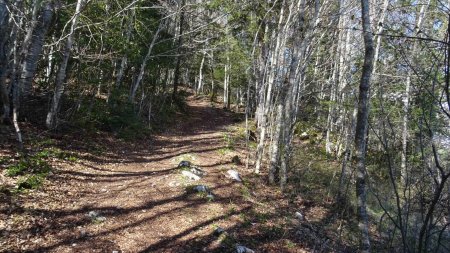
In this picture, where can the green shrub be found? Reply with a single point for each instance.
(28, 165)
(30, 182)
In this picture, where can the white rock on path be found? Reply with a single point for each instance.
(197, 171)
(234, 175)
(95, 216)
(299, 216)
(190, 175)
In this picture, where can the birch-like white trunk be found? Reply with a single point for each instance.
(407, 98)
(200, 74)
(140, 76)
(226, 84)
(268, 99)
(276, 139)
(52, 115)
(124, 60)
(33, 42)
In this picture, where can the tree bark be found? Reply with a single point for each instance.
(226, 85)
(200, 74)
(124, 60)
(268, 97)
(33, 43)
(52, 115)
(361, 128)
(406, 101)
(179, 45)
(4, 36)
(140, 76)
(276, 140)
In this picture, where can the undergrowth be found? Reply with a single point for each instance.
(126, 120)
(29, 171)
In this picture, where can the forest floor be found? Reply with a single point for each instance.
(116, 196)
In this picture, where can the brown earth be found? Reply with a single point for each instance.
(142, 194)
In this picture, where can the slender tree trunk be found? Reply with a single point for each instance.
(331, 109)
(52, 115)
(15, 72)
(342, 190)
(361, 128)
(226, 85)
(50, 59)
(4, 36)
(124, 60)
(200, 75)
(341, 196)
(406, 102)
(140, 76)
(281, 139)
(277, 138)
(213, 88)
(179, 45)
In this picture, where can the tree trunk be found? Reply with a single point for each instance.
(226, 85)
(406, 101)
(124, 60)
(268, 98)
(179, 44)
(52, 115)
(4, 36)
(213, 88)
(361, 128)
(140, 76)
(341, 196)
(277, 138)
(32, 48)
(200, 75)
(50, 59)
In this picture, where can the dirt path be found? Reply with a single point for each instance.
(141, 194)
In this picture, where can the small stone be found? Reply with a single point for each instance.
(74, 244)
(218, 231)
(93, 214)
(197, 171)
(299, 216)
(115, 251)
(101, 219)
(234, 175)
(184, 164)
(200, 188)
(243, 249)
(190, 175)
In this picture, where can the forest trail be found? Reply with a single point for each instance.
(141, 193)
